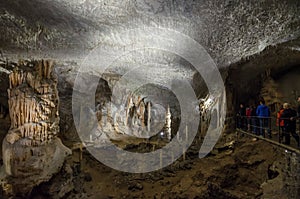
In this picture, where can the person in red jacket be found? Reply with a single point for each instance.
(280, 122)
(248, 116)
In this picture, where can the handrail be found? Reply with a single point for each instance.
(295, 150)
(259, 125)
(283, 118)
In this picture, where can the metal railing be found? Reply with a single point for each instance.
(274, 128)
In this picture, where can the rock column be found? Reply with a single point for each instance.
(32, 152)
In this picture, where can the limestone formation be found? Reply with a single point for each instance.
(168, 123)
(32, 152)
(149, 116)
(271, 94)
(33, 104)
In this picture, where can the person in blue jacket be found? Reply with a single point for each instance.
(263, 114)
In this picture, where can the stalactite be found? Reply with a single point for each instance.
(128, 105)
(32, 101)
(23, 109)
(45, 68)
(27, 110)
(26, 132)
(22, 131)
(50, 68)
(142, 113)
(30, 132)
(39, 69)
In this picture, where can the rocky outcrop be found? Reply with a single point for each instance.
(291, 176)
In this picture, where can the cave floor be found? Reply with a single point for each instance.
(235, 172)
(238, 172)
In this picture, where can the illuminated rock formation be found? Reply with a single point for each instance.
(32, 152)
(168, 124)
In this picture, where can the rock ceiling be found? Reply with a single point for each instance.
(63, 29)
(231, 31)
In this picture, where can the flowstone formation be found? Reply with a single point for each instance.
(137, 118)
(31, 150)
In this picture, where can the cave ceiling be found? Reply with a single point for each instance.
(232, 32)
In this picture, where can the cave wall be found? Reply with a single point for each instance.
(289, 85)
(247, 77)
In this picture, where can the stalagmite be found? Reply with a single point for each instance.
(186, 133)
(149, 116)
(168, 123)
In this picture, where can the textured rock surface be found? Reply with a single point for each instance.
(33, 103)
(31, 150)
(291, 176)
(233, 32)
(248, 35)
(229, 30)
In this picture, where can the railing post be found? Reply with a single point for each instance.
(279, 129)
